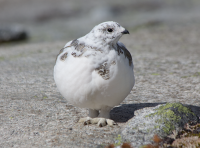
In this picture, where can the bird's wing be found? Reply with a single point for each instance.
(77, 49)
(122, 50)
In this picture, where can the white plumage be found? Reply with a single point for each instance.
(95, 71)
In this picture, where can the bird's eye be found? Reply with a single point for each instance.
(110, 30)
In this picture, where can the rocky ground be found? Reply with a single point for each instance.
(34, 114)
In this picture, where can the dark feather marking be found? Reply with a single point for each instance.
(103, 71)
(123, 50)
(74, 54)
(78, 46)
(74, 43)
(61, 50)
(118, 24)
(64, 56)
(81, 47)
(91, 47)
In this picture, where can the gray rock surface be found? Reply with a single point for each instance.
(161, 120)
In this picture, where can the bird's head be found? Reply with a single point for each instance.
(108, 32)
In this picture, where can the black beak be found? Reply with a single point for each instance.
(125, 32)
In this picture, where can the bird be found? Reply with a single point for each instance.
(96, 72)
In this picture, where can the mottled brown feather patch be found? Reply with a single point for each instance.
(82, 48)
(77, 46)
(103, 71)
(61, 50)
(64, 56)
(74, 43)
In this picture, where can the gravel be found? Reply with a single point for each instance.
(34, 114)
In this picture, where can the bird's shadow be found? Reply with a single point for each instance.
(125, 112)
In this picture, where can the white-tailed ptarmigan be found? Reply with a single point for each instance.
(96, 72)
